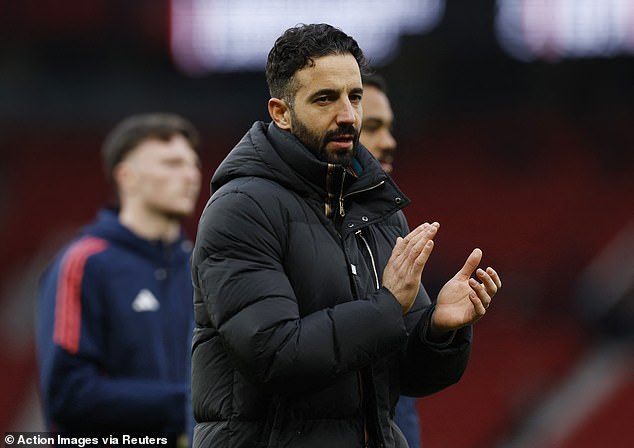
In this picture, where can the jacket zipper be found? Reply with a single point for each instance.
(366, 436)
(363, 190)
(378, 286)
(367, 246)
(342, 211)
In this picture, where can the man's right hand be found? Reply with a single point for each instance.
(403, 271)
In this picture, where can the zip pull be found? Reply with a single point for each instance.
(342, 210)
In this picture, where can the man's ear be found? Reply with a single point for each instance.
(124, 177)
(280, 113)
(119, 174)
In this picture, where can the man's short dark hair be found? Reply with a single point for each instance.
(298, 47)
(132, 131)
(375, 80)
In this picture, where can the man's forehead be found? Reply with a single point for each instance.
(331, 72)
(376, 102)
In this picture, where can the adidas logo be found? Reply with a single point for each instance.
(145, 301)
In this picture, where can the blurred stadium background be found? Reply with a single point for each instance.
(515, 123)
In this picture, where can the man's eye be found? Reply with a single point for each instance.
(372, 126)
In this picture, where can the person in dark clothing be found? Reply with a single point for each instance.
(310, 316)
(114, 312)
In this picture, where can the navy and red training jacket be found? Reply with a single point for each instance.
(114, 332)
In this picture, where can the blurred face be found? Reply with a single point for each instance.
(376, 132)
(326, 110)
(162, 177)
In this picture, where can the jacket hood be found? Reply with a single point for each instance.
(108, 227)
(269, 152)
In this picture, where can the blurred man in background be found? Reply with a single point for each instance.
(376, 136)
(376, 131)
(115, 307)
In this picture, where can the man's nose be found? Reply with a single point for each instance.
(346, 112)
(388, 141)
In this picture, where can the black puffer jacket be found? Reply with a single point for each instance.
(296, 343)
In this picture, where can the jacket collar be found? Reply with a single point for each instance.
(269, 152)
(319, 173)
(364, 182)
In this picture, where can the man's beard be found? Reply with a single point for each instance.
(317, 143)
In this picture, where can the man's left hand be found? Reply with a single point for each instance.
(463, 300)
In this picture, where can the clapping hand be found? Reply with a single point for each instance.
(405, 267)
(463, 300)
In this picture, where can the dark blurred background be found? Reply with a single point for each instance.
(524, 148)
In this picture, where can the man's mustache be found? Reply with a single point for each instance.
(342, 131)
